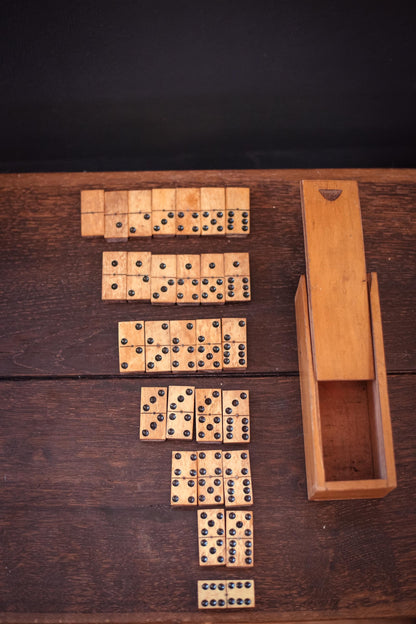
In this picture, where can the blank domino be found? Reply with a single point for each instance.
(226, 594)
(92, 212)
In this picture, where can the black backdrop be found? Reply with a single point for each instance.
(183, 85)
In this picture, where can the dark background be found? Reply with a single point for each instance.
(188, 85)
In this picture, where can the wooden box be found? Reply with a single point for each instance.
(345, 407)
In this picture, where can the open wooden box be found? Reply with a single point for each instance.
(345, 407)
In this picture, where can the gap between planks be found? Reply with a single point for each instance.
(171, 377)
(158, 377)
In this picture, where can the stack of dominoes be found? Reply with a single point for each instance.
(118, 215)
(225, 537)
(185, 279)
(183, 346)
(212, 468)
(169, 413)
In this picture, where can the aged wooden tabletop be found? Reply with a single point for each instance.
(87, 531)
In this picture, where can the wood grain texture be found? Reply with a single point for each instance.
(85, 514)
(337, 281)
(62, 330)
(87, 526)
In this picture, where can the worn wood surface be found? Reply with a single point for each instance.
(86, 529)
(51, 319)
(87, 525)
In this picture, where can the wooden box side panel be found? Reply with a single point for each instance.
(378, 395)
(352, 490)
(315, 472)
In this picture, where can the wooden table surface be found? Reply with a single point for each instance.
(87, 530)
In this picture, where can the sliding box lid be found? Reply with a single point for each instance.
(337, 281)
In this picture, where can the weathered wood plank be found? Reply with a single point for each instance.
(52, 319)
(87, 527)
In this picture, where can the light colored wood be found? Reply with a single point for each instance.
(210, 463)
(238, 491)
(138, 275)
(163, 279)
(188, 212)
(164, 212)
(209, 352)
(114, 279)
(236, 416)
(180, 425)
(236, 429)
(116, 218)
(153, 402)
(212, 211)
(236, 463)
(140, 213)
(226, 594)
(184, 478)
(157, 337)
(211, 523)
(312, 437)
(92, 212)
(237, 277)
(131, 346)
(211, 551)
(212, 594)
(208, 401)
(208, 415)
(208, 428)
(181, 399)
(210, 491)
(153, 427)
(210, 480)
(240, 594)
(183, 492)
(240, 546)
(181, 410)
(234, 343)
(188, 284)
(237, 205)
(383, 435)
(184, 464)
(379, 416)
(212, 279)
(239, 524)
(183, 343)
(236, 402)
(336, 281)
